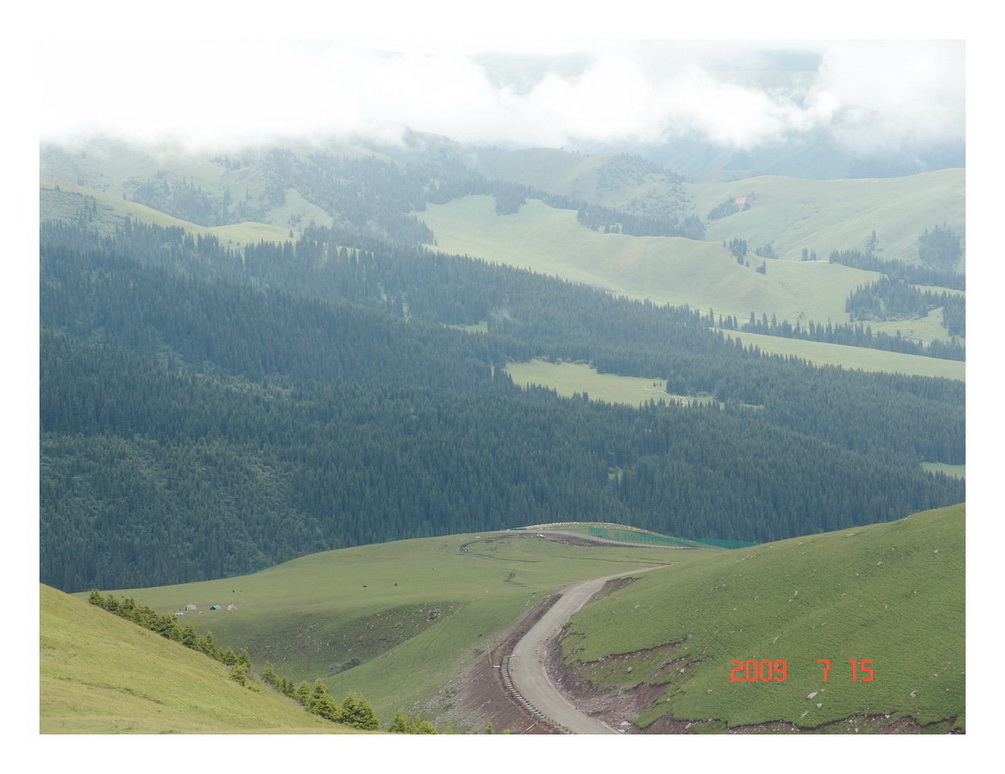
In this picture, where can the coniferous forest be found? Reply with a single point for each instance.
(208, 410)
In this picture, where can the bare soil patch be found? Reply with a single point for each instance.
(481, 698)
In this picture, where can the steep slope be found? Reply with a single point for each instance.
(101, 674)
(887, 598)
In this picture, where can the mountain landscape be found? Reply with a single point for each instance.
(349, 419)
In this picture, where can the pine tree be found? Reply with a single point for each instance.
(269, 675)
(302, 693)
(358, 712)
(239, 674)
(400, 724)
(321, 703)
(189, 638)
(207, 644)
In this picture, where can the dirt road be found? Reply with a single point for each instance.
(527, 662)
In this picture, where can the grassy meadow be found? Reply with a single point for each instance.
(397, 622)
(790, 213)
(101, 674)
(568, 379)
(892, 593)
(65, 201)
(413, 612)
(703, 275)
(826, 215)
(665, 269)
(859, 358)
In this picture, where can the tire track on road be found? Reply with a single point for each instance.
(525, 666)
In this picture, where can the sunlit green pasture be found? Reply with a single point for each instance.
(861, 358)
(889, 593)
(567, 379)
(960, 471)
(101, 674)
(665, 269)
(790, 213)
(414, 612)
(827, 215)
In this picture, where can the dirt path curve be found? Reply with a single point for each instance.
(526, 664)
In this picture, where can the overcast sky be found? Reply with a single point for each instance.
(868, 95)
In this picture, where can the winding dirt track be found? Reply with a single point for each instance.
(527, 661)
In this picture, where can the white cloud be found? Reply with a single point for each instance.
(875, 95)
(885, 95)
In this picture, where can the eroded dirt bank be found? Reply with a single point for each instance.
(480, 698)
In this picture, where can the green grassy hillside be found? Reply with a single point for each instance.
(826, 215)
(892, 593)
(412, 613)
(115, 168)
(62, 200)
(568, 379)
(101, 674)
(398, 621)
(670, 270)
(860, 358)
(665, 269)
(791, 213)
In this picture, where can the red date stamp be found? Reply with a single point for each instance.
(766, 670)
(759, 670)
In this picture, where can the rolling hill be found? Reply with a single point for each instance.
(273, 194)
(100, 674)
(407, 624)
(702, 274)
(396, 622)
(890, 593)
(789, 212)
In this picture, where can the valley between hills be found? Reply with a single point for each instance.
(876, 590)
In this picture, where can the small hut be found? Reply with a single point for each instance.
(190, 606)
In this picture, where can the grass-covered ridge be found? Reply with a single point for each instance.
(413, 613)
(100, 674)
(790, 213)
(673, 270)
(61, 200)
(826, 215)
(893, 593)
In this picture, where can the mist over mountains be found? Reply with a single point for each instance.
(726, 108)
